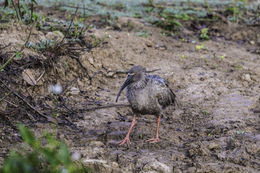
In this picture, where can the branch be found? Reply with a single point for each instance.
(22, 48)
(83, 8)
(5, 46)
(106, 106)
(151, 71)
(71, 21)
(25, 101)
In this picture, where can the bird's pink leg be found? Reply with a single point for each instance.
(126, 139)
(156, 139)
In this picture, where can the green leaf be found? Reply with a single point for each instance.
(64, 154)
(28, 136)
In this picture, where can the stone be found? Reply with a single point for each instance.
(246, 77)
(55, 36)
(76, 156)
(97, 143)
(91, 60)
(252, 42)
(101, 166)
(177, 170)
(74, 91)
(157, 167)
(191, 169)
(213, 146)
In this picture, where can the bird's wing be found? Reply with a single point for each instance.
(164, 94)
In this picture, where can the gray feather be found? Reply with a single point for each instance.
(149, 94)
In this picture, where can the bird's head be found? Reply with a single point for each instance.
(135, 74)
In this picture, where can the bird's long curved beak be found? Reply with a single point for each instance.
(125, 84)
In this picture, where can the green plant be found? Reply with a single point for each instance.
(150, 3)
(169, 20)
(204, 34)
(144, 34)
(51, 157)
(22, 9)
(236, 9)
(199, 47)
(118, 6)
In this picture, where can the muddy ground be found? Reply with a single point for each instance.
(214, 129)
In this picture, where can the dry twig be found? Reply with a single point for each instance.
(66, 34)
(22, 48)
(106, 106)
(25, 101)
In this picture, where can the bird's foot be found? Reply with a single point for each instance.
(125, 140)
(153, 140)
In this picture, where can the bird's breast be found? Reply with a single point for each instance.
(142, 101)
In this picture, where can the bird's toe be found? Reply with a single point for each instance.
(153, 140)
(125, 140)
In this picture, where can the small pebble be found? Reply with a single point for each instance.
(76, 156)
(247, 77)
(213, 146)
(252, 42)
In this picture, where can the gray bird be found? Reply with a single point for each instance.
(147, 94)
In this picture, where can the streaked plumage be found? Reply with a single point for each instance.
(147, 94)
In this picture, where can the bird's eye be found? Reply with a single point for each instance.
(131, 74)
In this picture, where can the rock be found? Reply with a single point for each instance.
(161, 46)
(177, 156)
(237, 36)
(198, 150)
(130, 23)
(76, 156)
(74, 91)
(110, 74)
(3, 106)
(191, 170)
(247, 77)
(213, 146)
(193, 41)
(94, 161)
(101, 166)
(114, 164)
(156, 167)
(97, 143)
(253, 149)
(252, 42)
(177, 170)
(56, 36)
(149, 44)
(91, 60)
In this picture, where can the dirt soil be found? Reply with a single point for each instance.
(215, 128)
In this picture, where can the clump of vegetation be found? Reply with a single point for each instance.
(23, 10)
(169, 21)
(144, 34)
(199, 47)
(46, 155)
(118, 6)
(236, 9)
(204, 34)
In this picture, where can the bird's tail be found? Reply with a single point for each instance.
(174, 99)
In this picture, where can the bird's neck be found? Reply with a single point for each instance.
(139, 84)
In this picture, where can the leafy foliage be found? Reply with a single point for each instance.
(204, 34)
(236, 9)
(23, 10)
(53, 157)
